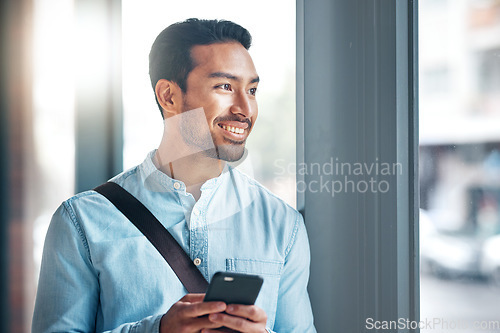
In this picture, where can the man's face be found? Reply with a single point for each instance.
(223, 83)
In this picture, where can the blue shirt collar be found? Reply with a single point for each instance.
(158, 181)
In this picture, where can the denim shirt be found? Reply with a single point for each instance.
(99, 272)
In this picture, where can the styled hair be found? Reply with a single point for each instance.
(170, 56)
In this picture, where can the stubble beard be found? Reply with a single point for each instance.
(230, 152)
(194, 135)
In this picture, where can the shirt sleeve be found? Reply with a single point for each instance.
(68, 290)
(294, 313)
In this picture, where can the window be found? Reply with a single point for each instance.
(51, 152)
(460, 166)
(489, 71)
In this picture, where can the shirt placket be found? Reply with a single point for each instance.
(198, 240)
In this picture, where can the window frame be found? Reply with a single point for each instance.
(358, 60)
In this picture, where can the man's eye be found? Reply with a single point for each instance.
(225, 86)
(253, 91)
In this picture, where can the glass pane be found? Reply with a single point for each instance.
(459, 63)
(49, 150)
(272, 143)
(53, 117)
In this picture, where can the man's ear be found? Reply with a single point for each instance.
(169, 96)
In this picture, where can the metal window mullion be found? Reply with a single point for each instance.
(359, 95)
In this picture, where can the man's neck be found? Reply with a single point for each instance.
(193, 170)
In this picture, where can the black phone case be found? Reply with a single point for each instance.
(234, 288)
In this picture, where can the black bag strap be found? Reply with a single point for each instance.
(156, 233)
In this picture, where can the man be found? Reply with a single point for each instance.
(99, 273)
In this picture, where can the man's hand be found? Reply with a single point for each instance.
(189, 315)
(239, 318)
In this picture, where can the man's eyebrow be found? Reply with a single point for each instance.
(231, 76)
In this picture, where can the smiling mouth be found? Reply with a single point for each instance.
(232, 129)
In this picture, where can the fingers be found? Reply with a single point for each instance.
(242, 318)
(236, 323)
(199, 308)
(252, 312)
(218, 330)
(193, 298)
(189, 315)
(202, 309)
(197, 324)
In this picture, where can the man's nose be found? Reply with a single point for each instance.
(243, 105)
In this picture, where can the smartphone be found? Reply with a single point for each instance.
(234, 288)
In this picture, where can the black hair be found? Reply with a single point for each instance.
(170, 56)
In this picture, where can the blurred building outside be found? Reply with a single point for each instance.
(459, 110)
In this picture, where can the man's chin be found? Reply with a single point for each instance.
(230, 153)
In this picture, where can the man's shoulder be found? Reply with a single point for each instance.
(90, 198)
(95, 217)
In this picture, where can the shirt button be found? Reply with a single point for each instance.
(197, 261)
(196, 211)
(177, 185)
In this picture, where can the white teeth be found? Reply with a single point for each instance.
(233, 129)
